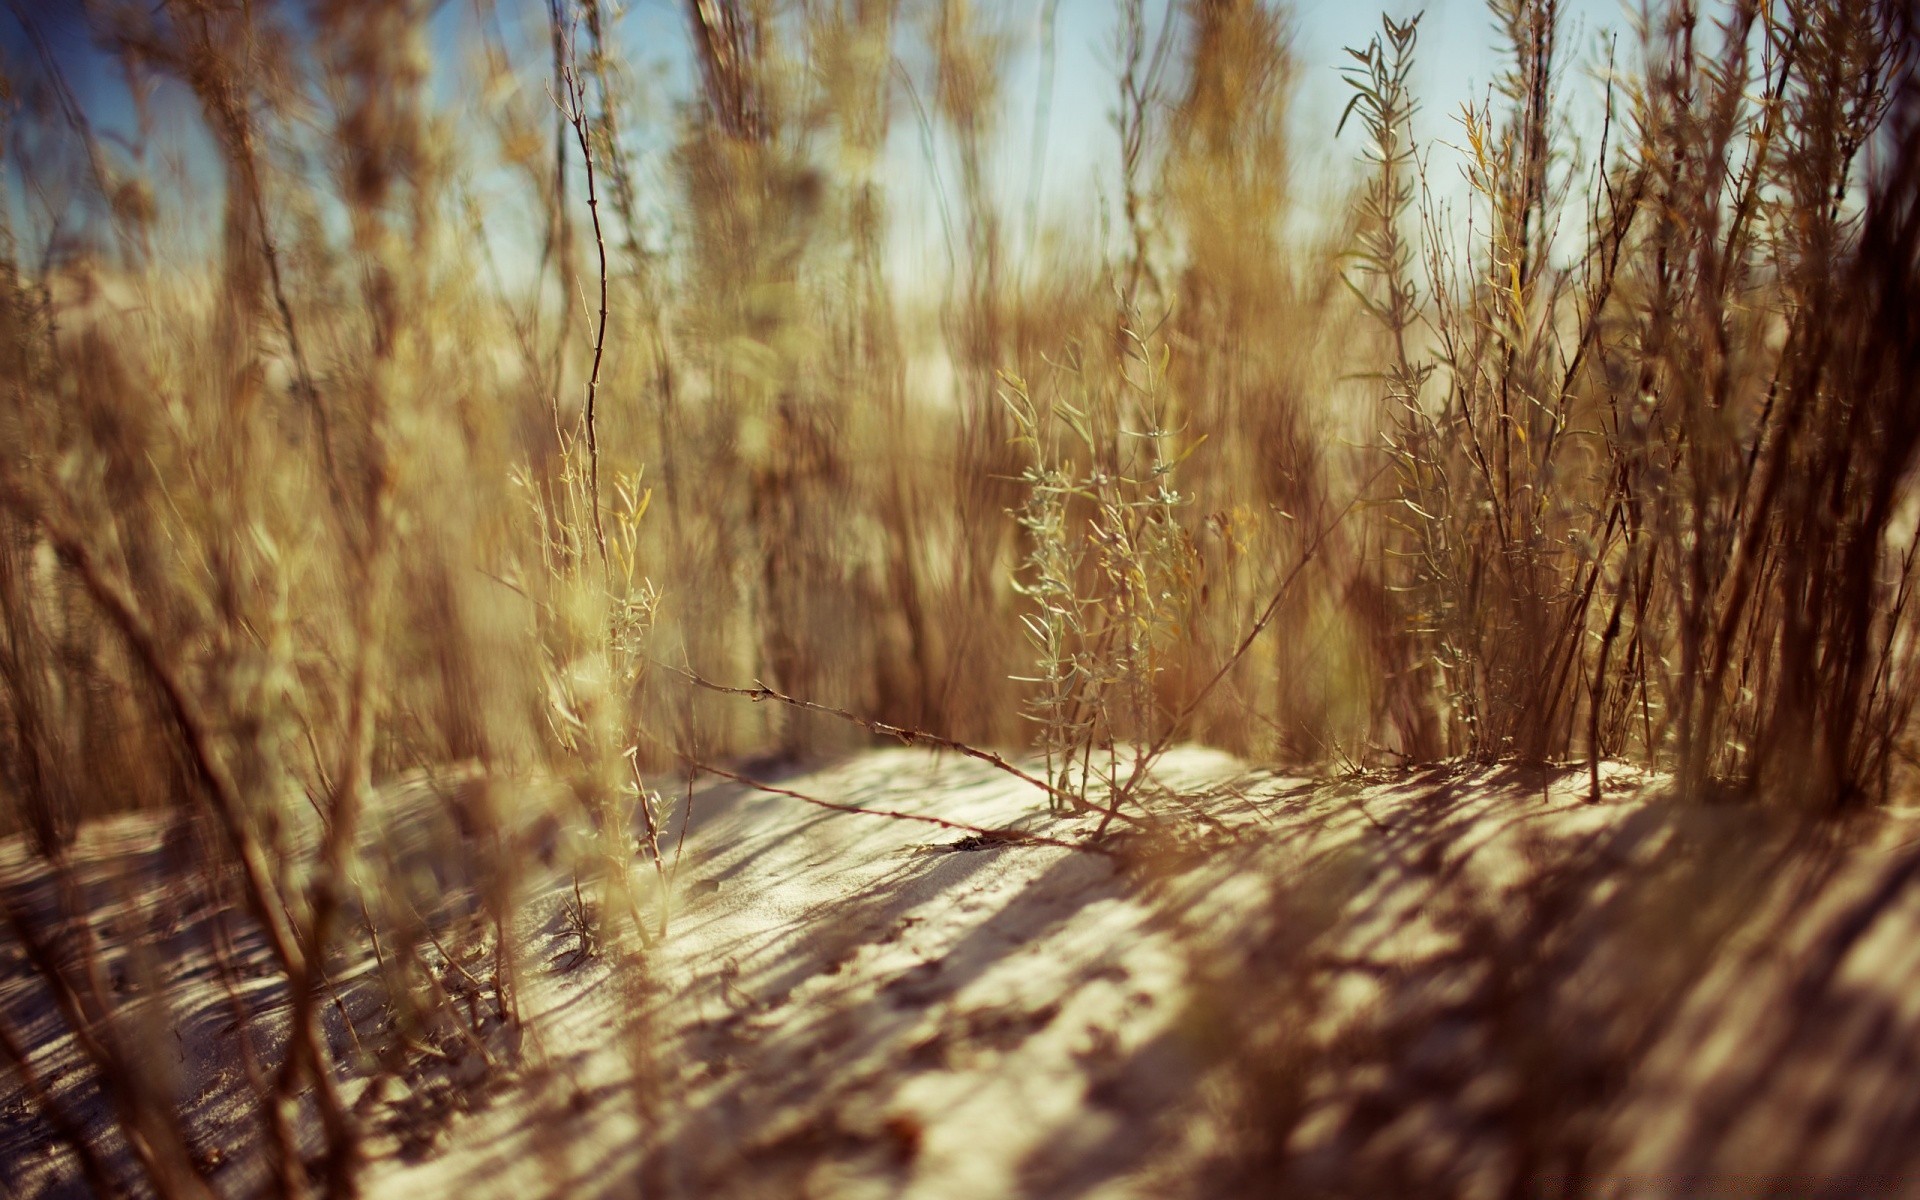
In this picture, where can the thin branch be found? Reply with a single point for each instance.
(1267, 614)
(906, 736)
(1260, 623)
(990, 833)
(576, 114)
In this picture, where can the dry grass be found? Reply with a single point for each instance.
(1610, 458)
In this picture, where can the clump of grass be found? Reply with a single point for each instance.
(1586, 423)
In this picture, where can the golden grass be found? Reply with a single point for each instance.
(1616, 461)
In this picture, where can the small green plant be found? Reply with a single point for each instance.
(1109, 568)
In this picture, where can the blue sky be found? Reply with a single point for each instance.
(1456, 61)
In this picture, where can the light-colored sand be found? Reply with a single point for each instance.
(1437, 984)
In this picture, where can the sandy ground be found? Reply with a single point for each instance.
(1450, 983)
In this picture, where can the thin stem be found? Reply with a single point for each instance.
(576, 114)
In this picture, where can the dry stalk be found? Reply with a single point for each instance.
(574, 107)
(990, 833)
(901, 733)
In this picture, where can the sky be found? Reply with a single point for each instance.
(1455, 62)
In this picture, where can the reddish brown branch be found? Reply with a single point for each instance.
(575, 110)
(991, 833)
(906, 736)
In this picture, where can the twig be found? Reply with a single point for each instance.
(1267, 614)
(576, 114)
(686, 822)
(1258, 627)
(653, 833)
(1002, 834)
(905, 735)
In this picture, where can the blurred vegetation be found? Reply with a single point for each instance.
(1609, 455)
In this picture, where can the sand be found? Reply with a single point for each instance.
(1456, 982)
